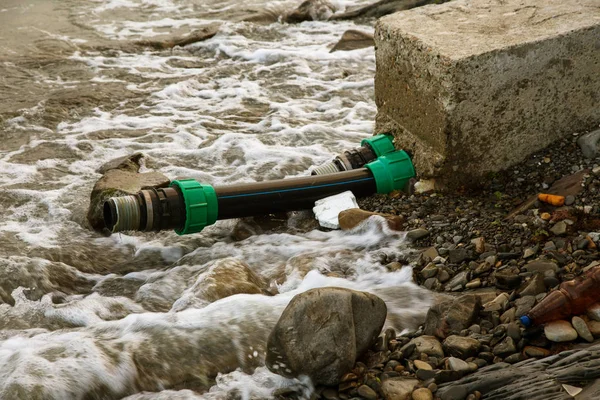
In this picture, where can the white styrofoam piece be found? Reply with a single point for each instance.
(327, 209)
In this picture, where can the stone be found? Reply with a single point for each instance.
(480, 95)
(582, 329)
(594, 327)
(530, 252)
(461, 346)
(422, 365)
(353, 40)
(322, 332)
(429, 271)
(569, 200)
(589, 144)
(514, 331)
(119, 182)
(458, 282)
(474, 284)
(560, 331)
(451, 315)
(572, 390)
(349, 219)
(367, 393)
(534, 286)
(429, 345)
(311, 10)
(593, 311)
(422, 394)
(417, 234)
(456, 256)
(398, 388)
(458, 365)
(127, 163)
(498, 304)
(536, 352)
(541, 266)
(559, 229)
(524, 305)
(508, 278)
(429, 254)
(479, 244)
(380, 8)
(505, 347)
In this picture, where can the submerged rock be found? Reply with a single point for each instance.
(383, 7)
(353, 40)
(322, 332)
(311, 10)
(120, 178)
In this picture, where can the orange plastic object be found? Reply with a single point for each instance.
(553, 199)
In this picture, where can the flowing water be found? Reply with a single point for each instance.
(84, 316)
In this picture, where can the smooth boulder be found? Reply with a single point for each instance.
(322, 332)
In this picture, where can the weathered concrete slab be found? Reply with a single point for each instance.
(473, 86)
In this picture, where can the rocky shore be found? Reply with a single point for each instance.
(493, 253)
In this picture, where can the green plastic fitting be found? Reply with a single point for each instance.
(381, 144)
(392, 171)
(201, 206)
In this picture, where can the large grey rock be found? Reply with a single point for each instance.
(120, 178)
(452, 316)
(533, 379)
(469, 89)
(322, 332)
(311, 10)
(353, 40)
(560, 331)
(461, 346)
(590, 144)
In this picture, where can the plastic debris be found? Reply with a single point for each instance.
(327, 209)
(553, 199)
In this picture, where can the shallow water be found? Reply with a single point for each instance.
(84, 315)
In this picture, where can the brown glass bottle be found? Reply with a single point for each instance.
(571, 298)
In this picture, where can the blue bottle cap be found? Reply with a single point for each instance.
(526, 321)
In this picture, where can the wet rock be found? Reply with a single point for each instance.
(398, 388)
(505, 347)
(417, 234)
(381, 8)
(422, 365)
(118, 286)
(422, 394)
(560, 331)
(451, 316)
(536, 352)
(457, 256)
(351, 218)
(119, 182)
(461, 346)
(226, 277)
(429, 271)
(428, 345)
(530, 252)
(508, 278)
(322, 332)
(353, 40)
(126, 163)
(199, 35)
(582, 329)
(311, 10)
(590, 144)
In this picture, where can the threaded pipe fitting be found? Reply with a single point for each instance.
(329, 168)
(122, 214)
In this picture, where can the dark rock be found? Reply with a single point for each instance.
(398, 388)
(310, 10)
(367, 393)
(417, 234)
(508, 278)
(322, 331)
(444, 376)
(541, 266)
(451, 316)
(353, 40)
(424, 374)
(534, 286)
(505, 347)
(457, 256)
(458, 282)
(524, 305)
(381, 8)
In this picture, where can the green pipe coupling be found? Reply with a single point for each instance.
(201, 205)
(392, 171)
(381, 144)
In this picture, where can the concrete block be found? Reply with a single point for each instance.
(473, 86)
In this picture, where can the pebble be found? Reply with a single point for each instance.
(422, 394)
(461, 347)
(559, 229)
(428, 345)
(475, 283)
(417, 234)
(423, 365)
(569, 200)
(530, 252)
(533, 351)
(456, 364)
(524, 305)
(367, 392)
(593, 312)
(429, 271)
(560, 331)
(505, 347)
(499, 303)
(582, 329)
